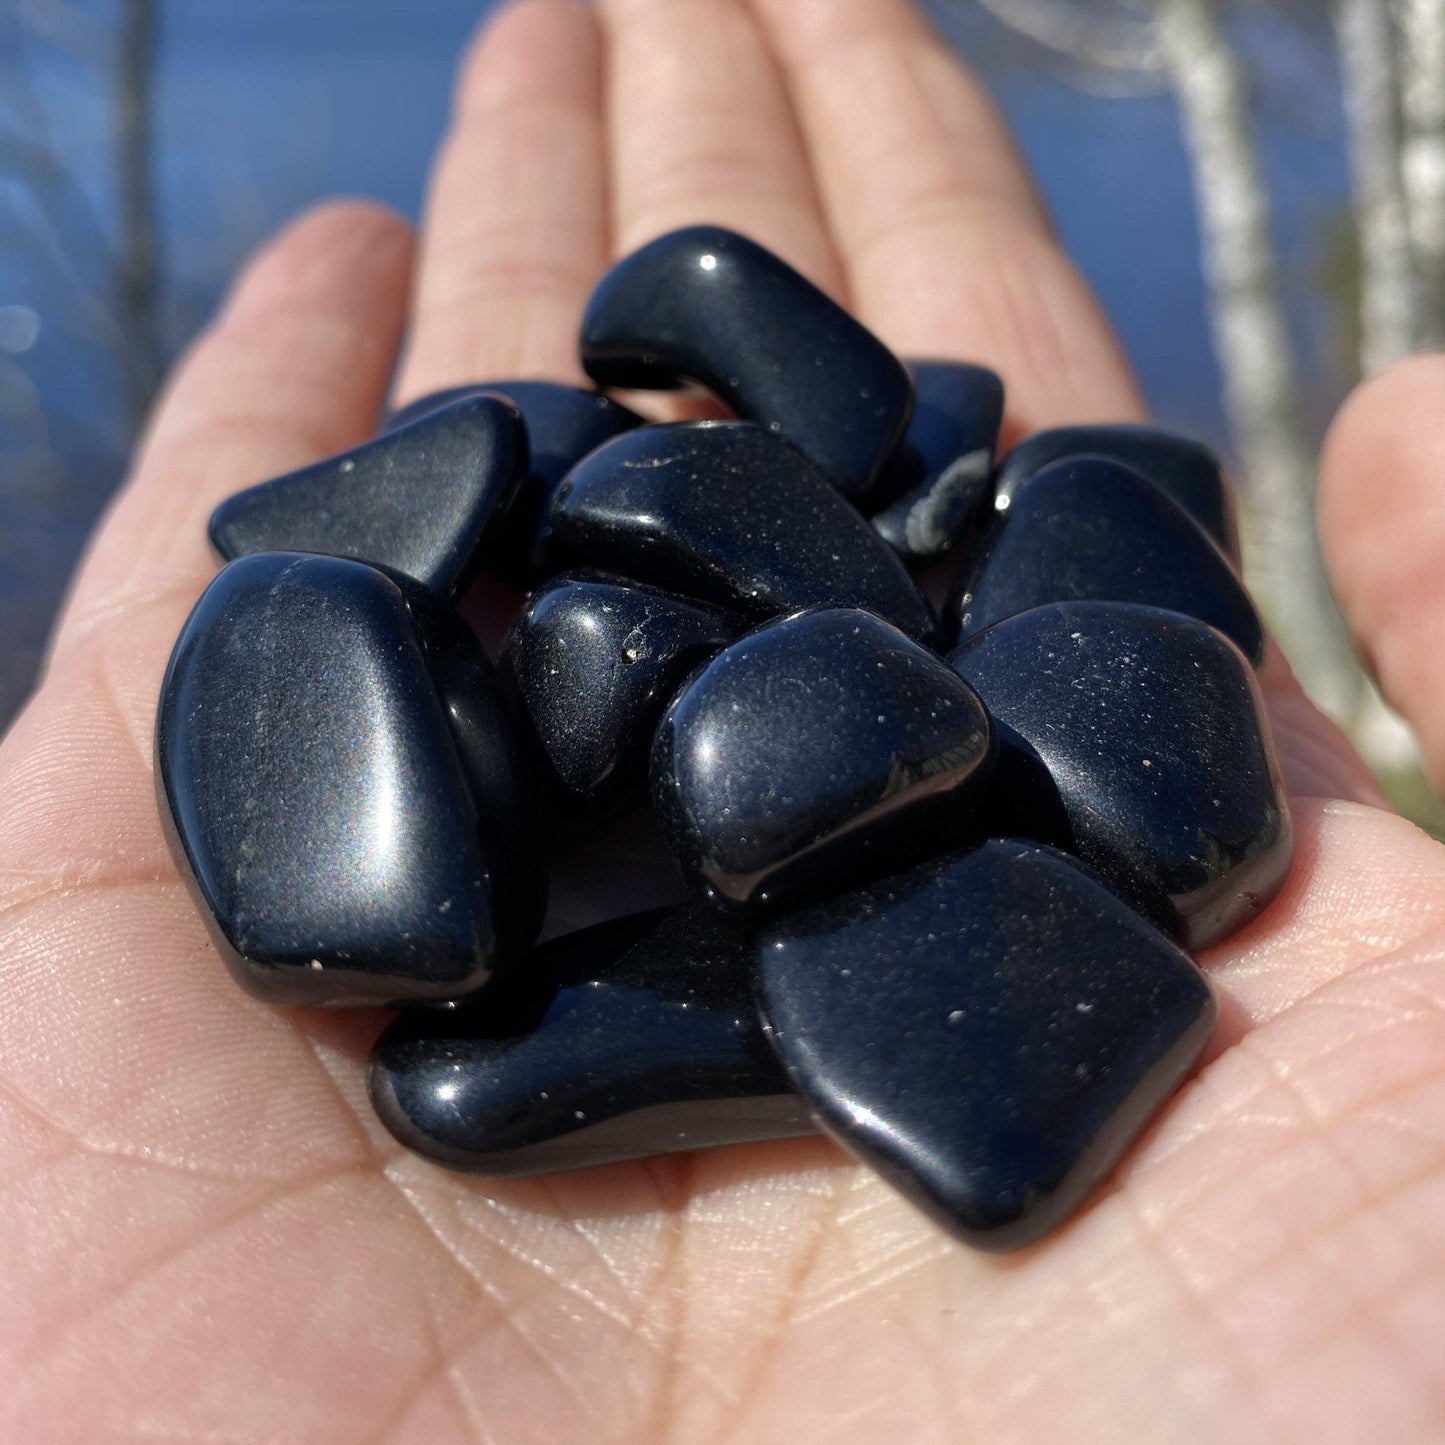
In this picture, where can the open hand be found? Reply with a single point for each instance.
(204, 1235)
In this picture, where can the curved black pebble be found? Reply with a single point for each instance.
(499, 770)
(942, 474)
(726, 512)
(1137, 738)
(709, 305)
(415, 500)
(1186, 471)
(563, 424)
(988, 1031)
(594, 663)
(631, 1038)
(336, 776)
(815, 751)
(1090, 528)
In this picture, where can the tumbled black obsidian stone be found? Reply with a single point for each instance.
(1137, 739)
(563, 424)
(1090, 528)
(499, 769)
(709, 305)
(594, 662)
(989, 1031)
(725, 512)
(435, 401)
(1186, 471)
(631, 1038)
(941, 477)
(338, 780)
(817, 750)
(415, 500)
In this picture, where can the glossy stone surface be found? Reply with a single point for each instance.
(337, 778)
(563, 424)
(943, 472)
(1137, 739)
(630, 1038)
(817, 750)
(1090, 528)
(435, 401)
(594, 663)
(989, 1031)
(416, 500)
(498, 767)
(727, 513)
(708, 305)
(1186, 471)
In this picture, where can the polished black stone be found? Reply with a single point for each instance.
(499, 768)
(726, 512)
(339, 784)
(631, 1038)
(819, 749)
(435, 401)
(1186, 471)
(709, 305)
(594, 663)
(563, 424)
(1090, 528)
(942, 474)
(1137, 739)
(415, 500)
(989, 1031)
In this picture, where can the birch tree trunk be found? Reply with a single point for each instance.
(1261, 394)
(1370, 68)
(1423, 27)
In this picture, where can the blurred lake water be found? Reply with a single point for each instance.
(266, 105)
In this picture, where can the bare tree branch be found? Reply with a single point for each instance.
(123, 306)
(33, 144)
(1370, 66)
(137, 272)
(1071, 29)
(66, 27)
(1423, 26)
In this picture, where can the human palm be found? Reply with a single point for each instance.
(204, 1235)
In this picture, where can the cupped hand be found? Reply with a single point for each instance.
(205, 1237)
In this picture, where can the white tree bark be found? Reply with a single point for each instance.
(1423, 27)
(1082, 35)
(1370, 67)
(1255, 354)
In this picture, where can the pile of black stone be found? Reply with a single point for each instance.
(943, 894)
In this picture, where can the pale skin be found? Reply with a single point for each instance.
(205, 1237)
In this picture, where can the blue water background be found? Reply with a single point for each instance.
(266, 105)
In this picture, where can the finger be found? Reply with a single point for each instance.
(948, 252)
(514, 234)
(946, 248)
(701, 130)
(1382, 527)
(121, 1059)
(295, 367)
(1316, 758)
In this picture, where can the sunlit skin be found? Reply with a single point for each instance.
(204, 1236)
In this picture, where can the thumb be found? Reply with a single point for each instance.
(1382, 528)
